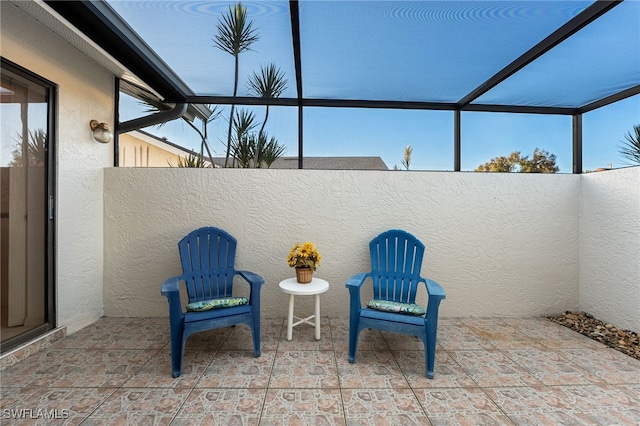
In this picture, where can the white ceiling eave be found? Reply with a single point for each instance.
(51, 20)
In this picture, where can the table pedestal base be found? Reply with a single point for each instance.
(314, 288)
(307, 320)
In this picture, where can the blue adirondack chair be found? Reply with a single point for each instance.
(396, 259)
(208, 256)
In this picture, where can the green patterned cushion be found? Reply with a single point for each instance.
(227, 302)
(401, 308)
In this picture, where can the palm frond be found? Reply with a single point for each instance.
(406, 161)
(272, 150)
(235, 33)
(630, 150)
(270, 83)
(191, 161)
(244, 121)
(251, 150)
(244, 150)
(33, 153)
(154, 106)
(216, 112)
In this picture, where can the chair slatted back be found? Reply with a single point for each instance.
(396, 259)
(208, 257)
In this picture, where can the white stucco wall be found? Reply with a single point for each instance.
(610, 246)
(85, 93)
(499, 244)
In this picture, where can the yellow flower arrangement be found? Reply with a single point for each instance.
(305, 255)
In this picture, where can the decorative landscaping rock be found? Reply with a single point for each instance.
(624, 341)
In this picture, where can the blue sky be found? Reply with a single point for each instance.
(498, 31)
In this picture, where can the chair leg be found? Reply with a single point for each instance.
(354, 332)
(255, 333)
(430, 351)
(429, 362)
(177, 349)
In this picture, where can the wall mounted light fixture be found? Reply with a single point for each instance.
(101, 132)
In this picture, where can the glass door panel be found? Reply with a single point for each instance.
(24, 112)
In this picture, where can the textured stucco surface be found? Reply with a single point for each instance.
(610, 246)
(500, 244)
(85, 92)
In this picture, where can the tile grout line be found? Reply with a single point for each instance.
(335, 359)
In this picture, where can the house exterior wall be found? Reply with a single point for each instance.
(610, 246)
(135, 152)
(85, 92)
(499, 244)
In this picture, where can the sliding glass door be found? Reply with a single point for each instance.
(26, 111)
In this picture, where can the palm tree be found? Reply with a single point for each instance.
(272, 150)
(33, 153)
(192, 161)
(241, 148)
(406, 161)
(252, 150)
(269, 84)
(631, 148)
(249, 149)
(235, 35)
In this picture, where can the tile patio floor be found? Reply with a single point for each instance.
(489, 371)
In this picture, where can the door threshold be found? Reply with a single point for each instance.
(31, 347)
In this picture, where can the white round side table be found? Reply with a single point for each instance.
(314, 288)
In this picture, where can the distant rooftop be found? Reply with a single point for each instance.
(332, 163)
(325, 163)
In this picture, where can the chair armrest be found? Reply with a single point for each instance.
(255, 283)
(354, 284)
(436, 294)
(251, 278)
(434, 289)
(171, 289)
(356, 281)
(170, 286)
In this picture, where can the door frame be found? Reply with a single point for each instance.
(49, 203)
